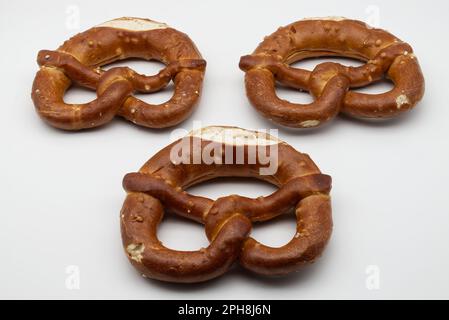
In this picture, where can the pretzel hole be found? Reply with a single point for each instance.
(276, 232)
(79, 95)
(377, 87)
(221, 187)
(149, 68)
(158, 97)
(311, 63)
(181, 234)
(293, 95)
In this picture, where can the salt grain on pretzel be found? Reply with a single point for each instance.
(79, 60)
(329, 83)
(160, 186)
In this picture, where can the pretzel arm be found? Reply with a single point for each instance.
(284, 74)
(143, 83)
(282, 200)
(72, 68)
(293, 77)
(174, 199)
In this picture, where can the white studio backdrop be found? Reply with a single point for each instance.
(61, 192)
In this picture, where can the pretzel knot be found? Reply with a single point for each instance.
(160, 185)
(79, 60)
(329, 83)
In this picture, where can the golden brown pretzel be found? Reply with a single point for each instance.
(329, 82)
(160, 185)
(80, 59)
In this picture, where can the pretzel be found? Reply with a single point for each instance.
(329, 83)
(79, 60)
(161, 183)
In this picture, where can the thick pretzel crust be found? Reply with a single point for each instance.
(160, 185)
(329, 83)
(79, 60)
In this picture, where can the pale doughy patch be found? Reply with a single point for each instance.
(135, 251)
(309, 123)
(234, 136)
(401, 100)
(134, 24)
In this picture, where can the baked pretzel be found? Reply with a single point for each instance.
(161, 183)
(329, 82)
(80, 59)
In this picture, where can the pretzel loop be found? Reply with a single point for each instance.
(160, 184)
(80, 59)
(383, 54)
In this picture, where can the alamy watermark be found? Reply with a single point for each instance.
(72, 281)
(226, 146)
(373, 15)
(72, 19)
(372, 281)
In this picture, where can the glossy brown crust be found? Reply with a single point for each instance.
(79, 60)
(384, 54)
(160, 185)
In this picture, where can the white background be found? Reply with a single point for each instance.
(61, 192)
